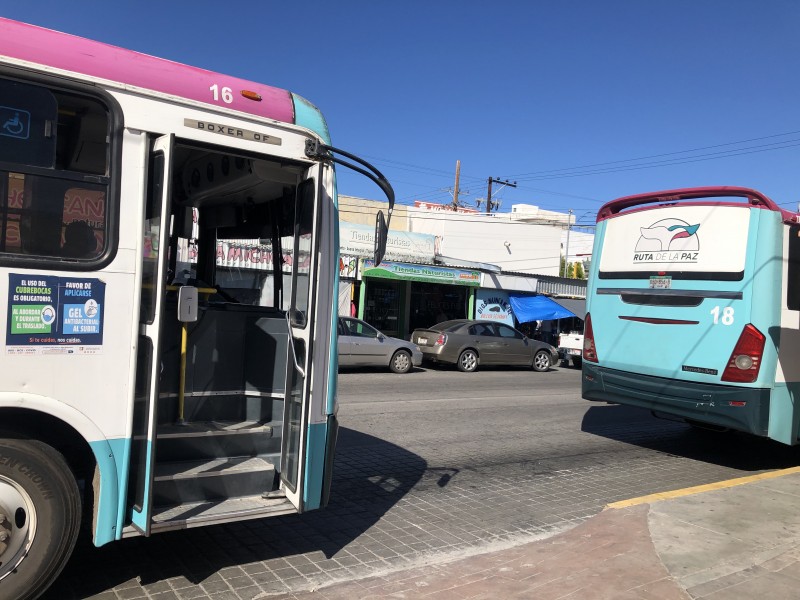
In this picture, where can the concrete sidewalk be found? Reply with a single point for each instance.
(733, 540)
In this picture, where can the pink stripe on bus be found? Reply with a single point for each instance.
(80, 55)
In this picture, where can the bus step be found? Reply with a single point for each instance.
(214, 439)
(225, 407)
(193, 481)
(209, 428)
(196, 514)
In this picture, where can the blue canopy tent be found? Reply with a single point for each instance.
(538, 308)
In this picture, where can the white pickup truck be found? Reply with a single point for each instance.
(570, 347)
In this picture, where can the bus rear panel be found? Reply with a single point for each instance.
(685, 305)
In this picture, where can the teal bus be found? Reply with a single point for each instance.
(693, 309)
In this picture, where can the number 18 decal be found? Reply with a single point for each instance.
(724, 316)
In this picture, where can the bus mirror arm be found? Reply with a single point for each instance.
(314, 149)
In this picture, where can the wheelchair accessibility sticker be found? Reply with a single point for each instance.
(15, 122)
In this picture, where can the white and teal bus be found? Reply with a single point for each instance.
(168, 262)
(693, 309)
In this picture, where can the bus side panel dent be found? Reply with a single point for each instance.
(784, 414)
(701, 402)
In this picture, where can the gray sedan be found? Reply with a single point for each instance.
(469, 343)
(361, 345)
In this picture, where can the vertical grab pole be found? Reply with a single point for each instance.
(182, 384)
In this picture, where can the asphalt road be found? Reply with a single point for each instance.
(431, 465)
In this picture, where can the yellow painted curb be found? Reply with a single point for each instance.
(699, 489)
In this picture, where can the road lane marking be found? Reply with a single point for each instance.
(699, 489)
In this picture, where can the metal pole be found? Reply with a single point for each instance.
(455, 190)
(566, 249)
(489, 197)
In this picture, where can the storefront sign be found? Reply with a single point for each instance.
(407, 272)
(348, 266)
(493, 305)
(359, 240)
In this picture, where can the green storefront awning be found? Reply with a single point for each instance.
(423, 273)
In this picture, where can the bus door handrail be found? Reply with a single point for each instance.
(754, 198)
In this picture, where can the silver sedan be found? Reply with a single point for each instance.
(469, 343)
(361, 345)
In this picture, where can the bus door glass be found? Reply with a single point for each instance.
(300, 316)
(154, 265)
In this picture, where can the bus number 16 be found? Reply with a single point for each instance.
(227, 94)
(727, 315)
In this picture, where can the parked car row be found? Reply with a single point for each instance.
(465, 343)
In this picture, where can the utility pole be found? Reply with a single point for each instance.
(566, 249)
(455, 190)
(489, 191)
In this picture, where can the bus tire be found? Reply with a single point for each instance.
(41, 509)
(468, 361)
(401, 362)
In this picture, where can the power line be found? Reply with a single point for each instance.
(672, 162)
(658, 155)
(589, 169)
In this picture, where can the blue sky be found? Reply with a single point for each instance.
(579, 102)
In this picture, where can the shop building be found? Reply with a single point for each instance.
(418, 285)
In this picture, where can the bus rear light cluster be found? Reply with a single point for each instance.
(589, 349)
(441, 340)
(745, 360)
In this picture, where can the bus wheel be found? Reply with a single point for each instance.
(40, 515)
(468, 361)
(401, 362)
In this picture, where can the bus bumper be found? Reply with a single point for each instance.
(732, 407)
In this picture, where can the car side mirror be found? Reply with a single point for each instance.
(381, 337)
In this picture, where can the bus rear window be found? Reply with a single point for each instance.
(686, 242)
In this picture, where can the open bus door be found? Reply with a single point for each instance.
(153, 293)
(300, 317)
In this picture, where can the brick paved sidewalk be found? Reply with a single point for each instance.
(609, 556)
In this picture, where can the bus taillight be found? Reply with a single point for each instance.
(745, 360)
(589, 349)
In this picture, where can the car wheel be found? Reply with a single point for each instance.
(541, 361)
(468, 361)
(576, 362)
(401, 362)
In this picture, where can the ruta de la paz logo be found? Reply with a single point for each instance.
(668, 241)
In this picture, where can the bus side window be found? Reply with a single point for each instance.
(793, 269)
